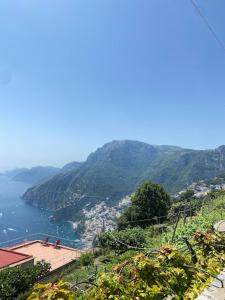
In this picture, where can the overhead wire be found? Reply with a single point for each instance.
(208, 25)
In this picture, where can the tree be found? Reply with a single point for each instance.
(149, 202)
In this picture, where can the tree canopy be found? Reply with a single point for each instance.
(148, 202)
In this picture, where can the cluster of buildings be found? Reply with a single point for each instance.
(100, 218)
(203, 187)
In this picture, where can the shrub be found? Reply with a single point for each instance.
(17, 280)
(188, 208)
(87, 259)
(169, 274)
(117, 240)
(52, 291)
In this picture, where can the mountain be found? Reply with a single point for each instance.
(36, 175)
(117, 168)
(14, 172)
(74, 165)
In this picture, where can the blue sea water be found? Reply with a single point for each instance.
(20, 221)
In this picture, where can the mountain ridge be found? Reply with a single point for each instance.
(35, 175)
(117, 168)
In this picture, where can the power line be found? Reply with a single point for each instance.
(127, 245)
(155, 218)
(210, 28)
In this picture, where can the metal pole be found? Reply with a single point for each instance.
(175, 228)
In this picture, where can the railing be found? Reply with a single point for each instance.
(42, 236)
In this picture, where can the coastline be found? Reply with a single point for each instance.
(73, 224)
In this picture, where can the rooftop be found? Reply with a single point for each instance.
(57, 256)
(8, 258)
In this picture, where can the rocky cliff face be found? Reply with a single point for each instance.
(117, 168)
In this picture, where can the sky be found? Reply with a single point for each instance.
(75, 74)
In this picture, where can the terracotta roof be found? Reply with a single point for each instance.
(56, 256)
(9, 257)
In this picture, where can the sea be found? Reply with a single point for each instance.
(21, 222)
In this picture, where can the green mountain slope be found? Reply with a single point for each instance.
(117, 168)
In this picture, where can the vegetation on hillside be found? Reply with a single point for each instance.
(149, 201)
(177, 258)
(18, 280)
(170, 272)
(118, 240)
(52, 291)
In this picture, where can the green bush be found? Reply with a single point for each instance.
(87, 259)
(17, 280)
(23, 296)
(118, 240)
(188, 208)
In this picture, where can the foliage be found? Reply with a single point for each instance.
(169, 273)
(118, 240)
(187, 195)
(52, 291)
(214, 194)
(86, 259)
(190, 279)
(129, 276)
(17, 280)
(150, 200)
(209, 214)
(220, 179)
(24, 295)
(188, 208)
(210, 241)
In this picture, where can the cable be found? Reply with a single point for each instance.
(159, 217)
(210, 28)
(128, 246)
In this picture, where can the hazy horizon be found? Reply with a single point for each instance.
(77, 74)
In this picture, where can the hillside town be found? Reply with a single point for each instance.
(100, 218)
(203, 187)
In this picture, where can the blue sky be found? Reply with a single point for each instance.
(75, 74)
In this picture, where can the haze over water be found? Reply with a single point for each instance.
(18, 219)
